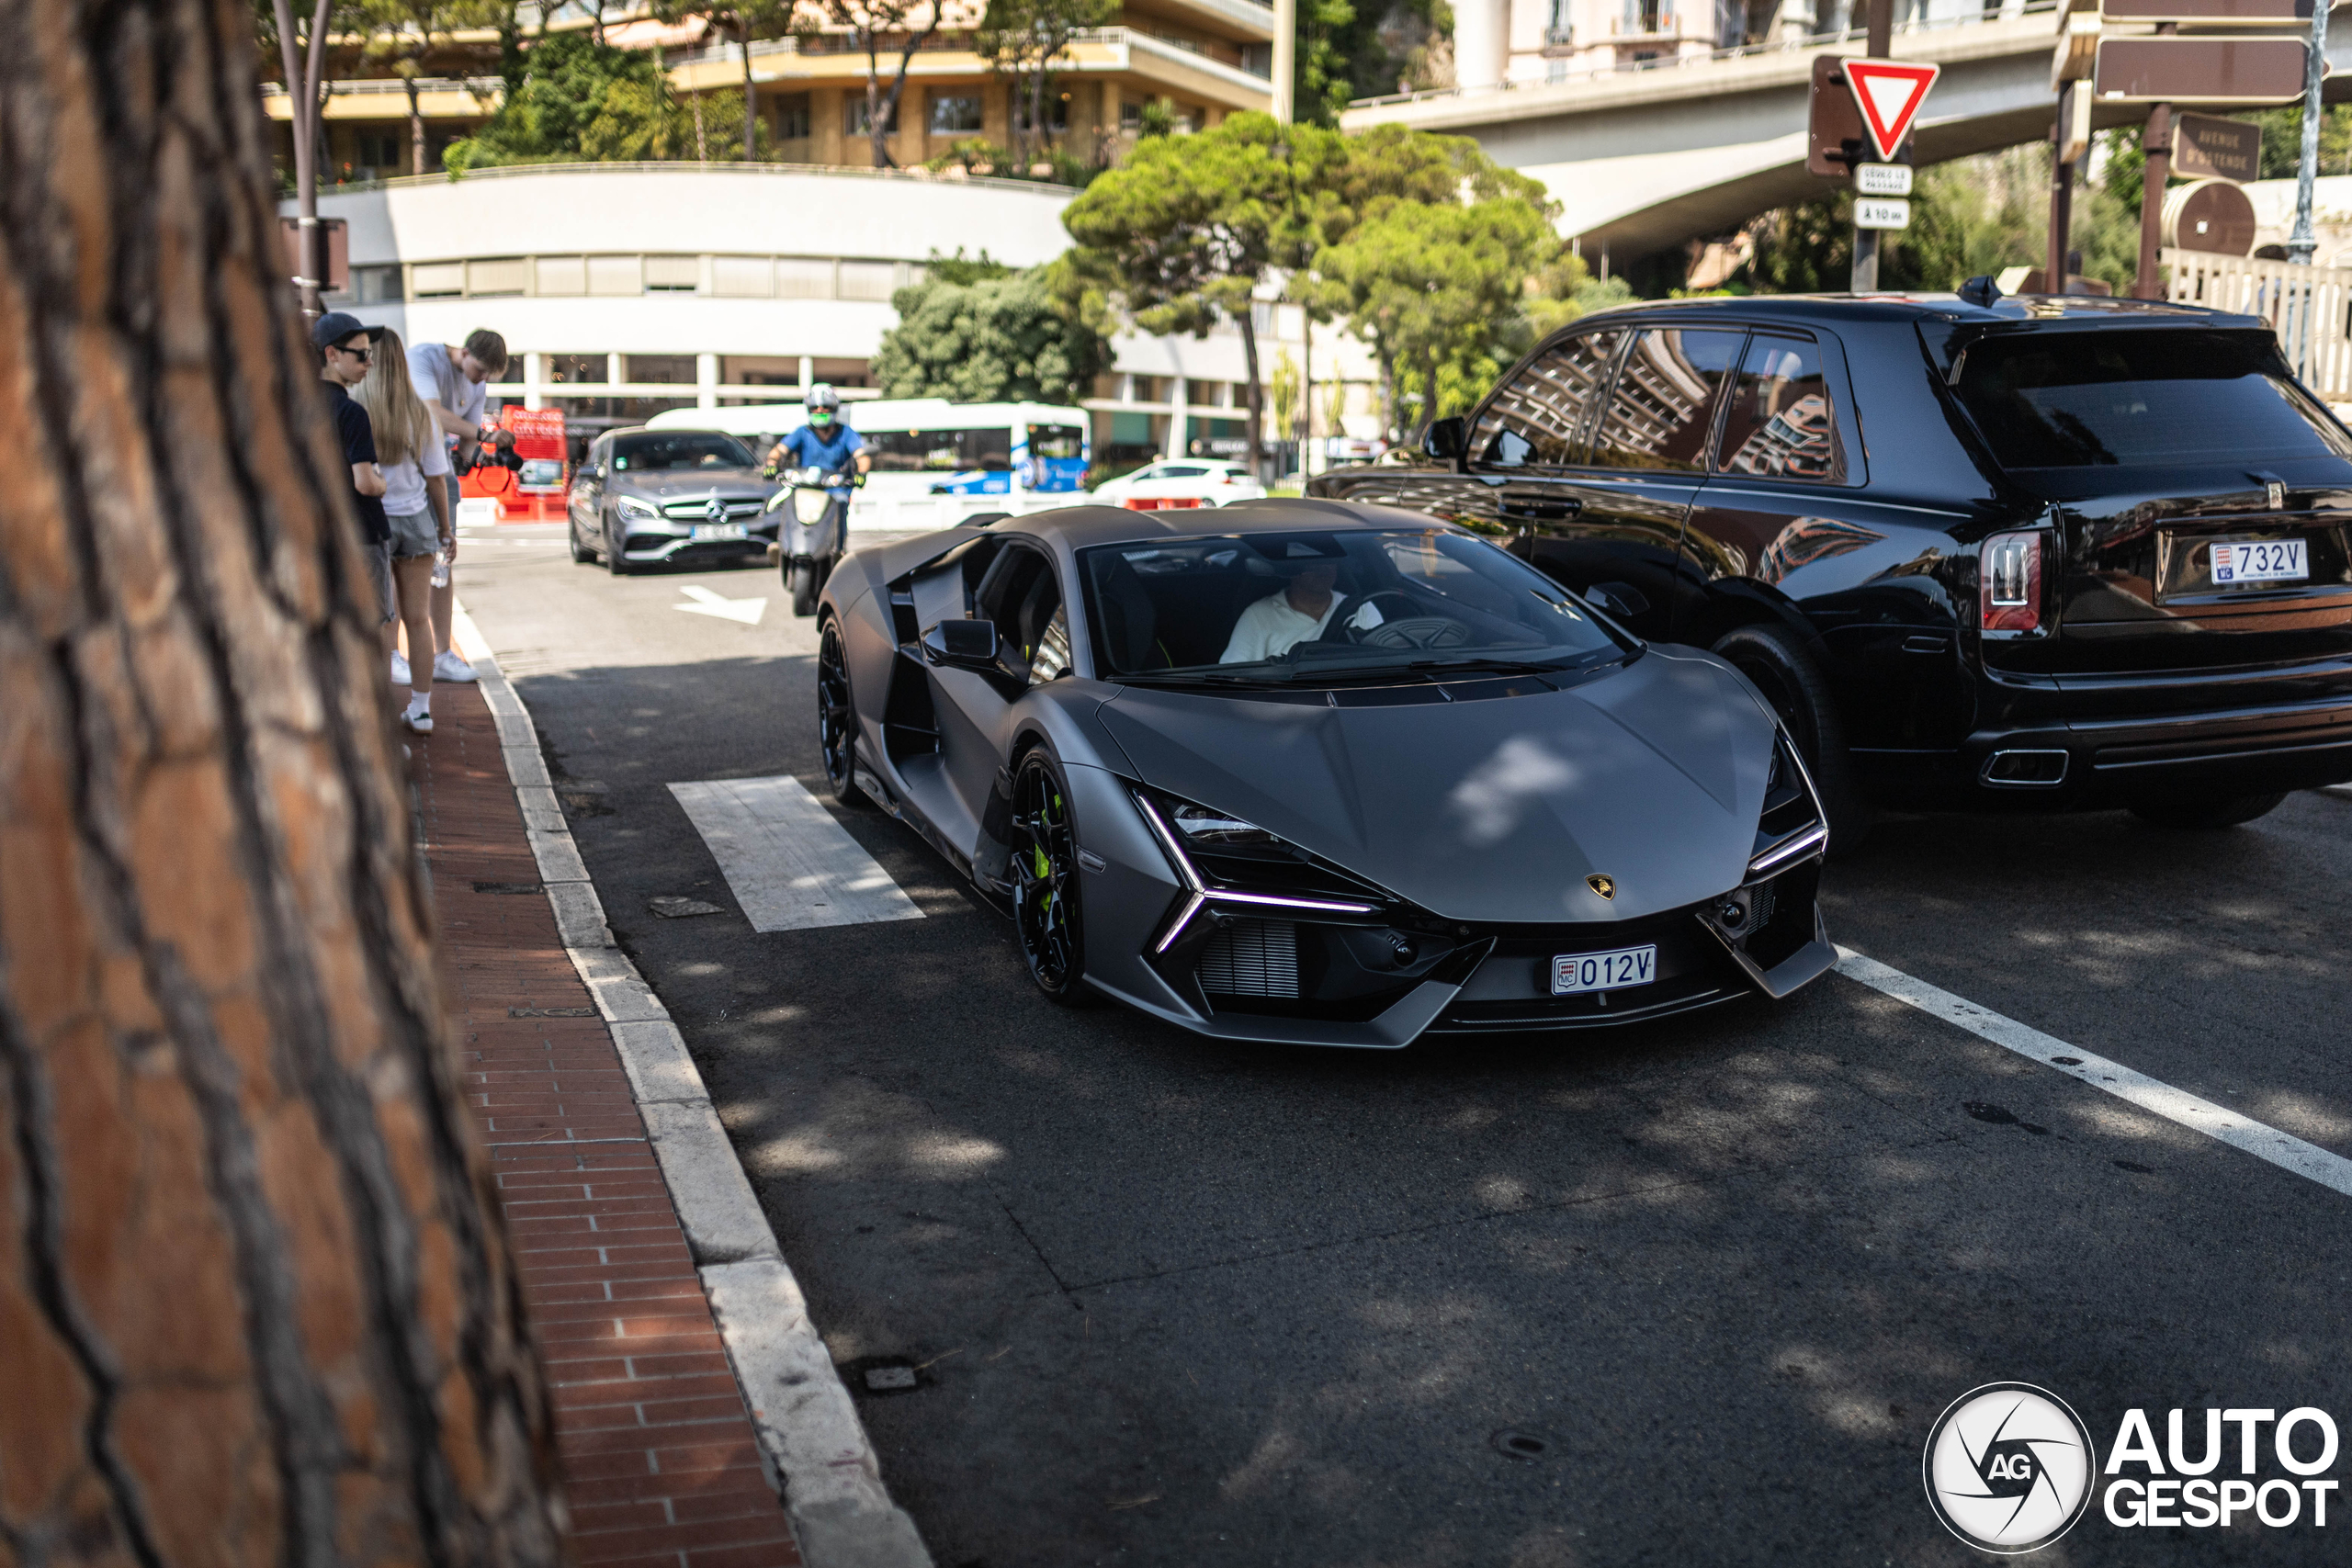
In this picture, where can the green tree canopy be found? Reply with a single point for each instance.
(1186, 230)
(1436, 291)
(973, 336)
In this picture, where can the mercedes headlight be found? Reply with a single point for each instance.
(639, 510)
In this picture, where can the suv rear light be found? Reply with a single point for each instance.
(2009, 582)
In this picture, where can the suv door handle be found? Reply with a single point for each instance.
(1537, 505)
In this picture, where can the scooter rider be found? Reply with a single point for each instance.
(824, 441)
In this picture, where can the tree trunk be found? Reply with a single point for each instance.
(415, 128)
(751, 102)
(256, 1301)
(1248, 319)
(303, 67)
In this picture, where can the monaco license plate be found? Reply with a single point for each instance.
(1603, 971)
(718, 531)
(2237, 561)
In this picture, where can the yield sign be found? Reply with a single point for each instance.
(1889, 92)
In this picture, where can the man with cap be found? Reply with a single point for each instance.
(344, 349)
(824, 441)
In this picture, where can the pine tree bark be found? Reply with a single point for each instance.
(256, 1302)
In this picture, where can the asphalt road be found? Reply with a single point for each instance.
(1177, 1303)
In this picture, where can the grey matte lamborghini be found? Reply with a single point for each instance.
(1320, 773)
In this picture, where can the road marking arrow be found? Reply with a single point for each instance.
(705, 603)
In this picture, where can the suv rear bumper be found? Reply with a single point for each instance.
(2084, 763)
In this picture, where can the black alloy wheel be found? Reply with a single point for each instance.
(1793, 685)
(614, 536)
(1045, 873)
(2208, 812)
(837, 718)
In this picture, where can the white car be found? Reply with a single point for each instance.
(1175, 483)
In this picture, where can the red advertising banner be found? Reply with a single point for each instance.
(538, 441)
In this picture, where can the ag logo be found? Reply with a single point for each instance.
(2010, 1467)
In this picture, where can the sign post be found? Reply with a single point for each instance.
(1887, 95)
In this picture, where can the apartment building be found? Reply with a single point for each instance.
(1200, 59)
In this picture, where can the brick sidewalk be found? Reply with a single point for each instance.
(659, 1459)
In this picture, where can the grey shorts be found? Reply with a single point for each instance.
(380, 567)
(415, 535)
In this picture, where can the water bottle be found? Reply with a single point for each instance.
(441, 568)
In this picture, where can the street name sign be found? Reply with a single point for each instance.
(2200, 69)
(1883, 179)
(2231, 13)
(1881, 212)
(2205, 146)
(1889, 92)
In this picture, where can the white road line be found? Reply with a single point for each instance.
(790, 864)
(2217, 1121)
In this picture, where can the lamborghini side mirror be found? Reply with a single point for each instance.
(1446, 439)
(964, 645)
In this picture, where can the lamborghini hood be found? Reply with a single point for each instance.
(1494, 811)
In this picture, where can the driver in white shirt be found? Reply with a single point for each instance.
(1274, 625)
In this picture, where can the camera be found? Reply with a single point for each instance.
(498, 452)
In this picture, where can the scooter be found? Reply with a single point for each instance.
(815, 531)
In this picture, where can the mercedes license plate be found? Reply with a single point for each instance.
(2237, 561)
(1603, 971)
(718, 531)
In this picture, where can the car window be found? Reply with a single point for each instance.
(1283, 607)
(2060, 400)
(666, 450)
(1663, 403)
(1782, 422)
(1537, 420)
(1022, 597)
(1177, 471)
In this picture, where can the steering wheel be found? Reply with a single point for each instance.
(1403, 625)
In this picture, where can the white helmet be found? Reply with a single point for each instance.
(823, 395)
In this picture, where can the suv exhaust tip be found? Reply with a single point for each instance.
(2025, 770)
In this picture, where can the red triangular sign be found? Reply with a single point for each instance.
(1889, 92)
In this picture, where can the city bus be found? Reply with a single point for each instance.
(935, 463)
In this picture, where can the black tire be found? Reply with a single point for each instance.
(613, 561)
(1792, 684)
(837, 718)
(1048, 913)
(582, 553)
(800, 581)
(2208, 812)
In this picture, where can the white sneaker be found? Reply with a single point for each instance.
(419, 723)
(447, 666)
(399, 668)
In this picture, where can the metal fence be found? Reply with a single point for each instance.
(2309, 307)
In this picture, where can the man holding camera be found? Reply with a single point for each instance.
(450, 381)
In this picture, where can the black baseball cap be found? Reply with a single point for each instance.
(337, 325)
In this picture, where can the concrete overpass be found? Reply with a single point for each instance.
(1642, 160)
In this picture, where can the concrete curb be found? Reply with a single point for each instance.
(841, 1511)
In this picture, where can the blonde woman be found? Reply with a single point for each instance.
(410, 449)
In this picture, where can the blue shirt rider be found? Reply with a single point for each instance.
(824, 441)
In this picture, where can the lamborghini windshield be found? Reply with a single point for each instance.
(1308, 606)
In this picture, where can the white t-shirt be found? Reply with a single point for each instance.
(438, 381)
(404, 481)
(1270, 627)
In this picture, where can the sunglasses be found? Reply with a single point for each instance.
(364, 356)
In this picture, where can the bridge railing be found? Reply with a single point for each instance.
(1794, 43)
(2309, 307)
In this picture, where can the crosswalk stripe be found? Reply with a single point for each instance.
(789, 864)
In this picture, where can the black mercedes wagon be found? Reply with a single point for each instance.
(2043, 553)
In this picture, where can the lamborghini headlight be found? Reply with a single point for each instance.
(1214, 831)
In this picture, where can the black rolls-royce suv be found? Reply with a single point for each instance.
(2041, 552)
